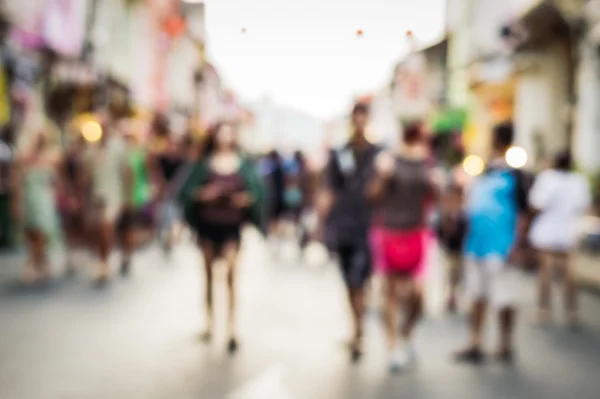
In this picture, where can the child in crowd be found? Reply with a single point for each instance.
(451, 230)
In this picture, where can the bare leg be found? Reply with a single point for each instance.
(39, 253)
(31, 272)
(230, 253)
(571, 291)
(357, 305)
(544, 287)
(414, 309)
(128, 239)
(391, 313)
(455, 273)
(105, 233)
(473, 353)
(477, 320)
(506, 320)
(208, 253)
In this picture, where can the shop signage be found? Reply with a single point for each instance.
(411, 92)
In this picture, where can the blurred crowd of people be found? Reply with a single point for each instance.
(377, 211)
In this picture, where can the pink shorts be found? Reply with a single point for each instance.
(375, 237)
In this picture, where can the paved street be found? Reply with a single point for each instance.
(137, 338)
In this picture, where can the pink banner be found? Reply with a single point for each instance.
(64, 26)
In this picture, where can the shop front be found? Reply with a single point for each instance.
(491, 101)
(546, 60)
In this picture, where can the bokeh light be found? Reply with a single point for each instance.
(516, 157)
(473, 165)
(91, 131)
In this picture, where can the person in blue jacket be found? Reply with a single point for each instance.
(497, 211)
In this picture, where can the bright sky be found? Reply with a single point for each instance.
(305, 53)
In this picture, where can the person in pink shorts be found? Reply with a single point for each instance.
(402, 191)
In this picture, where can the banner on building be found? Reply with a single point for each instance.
(411, 93)
(64, 26)
(27, 21)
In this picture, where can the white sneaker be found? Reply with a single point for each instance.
(411, 352)
(399, 360)
(402, 358)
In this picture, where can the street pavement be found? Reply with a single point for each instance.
(138, 338)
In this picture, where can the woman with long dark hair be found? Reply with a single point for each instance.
(221, 194)
(561, 197)
(403, 190)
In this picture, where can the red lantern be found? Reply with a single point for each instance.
(174, 25)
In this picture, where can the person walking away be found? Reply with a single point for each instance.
(404, 191)
(301, 180)
(138, 215)
(276, 184)
(221, 194)
(561, 197)
(73, 199)
(111, 185)
(7, 182)
(497, 212)
(293, 194)
(38, 176)
(343, 206)
(451, 230)
(170, 163)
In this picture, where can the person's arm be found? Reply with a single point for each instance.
(384, 167)
(584, 195)
(523, 214)
(325, 194)
(255, 200)
(540, 193)
(156, 179)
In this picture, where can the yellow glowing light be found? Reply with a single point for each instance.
(91, 131)
(516, 157)
(473, 165)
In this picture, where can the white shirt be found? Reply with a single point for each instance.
(562, 198)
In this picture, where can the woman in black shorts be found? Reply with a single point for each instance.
(221, 194)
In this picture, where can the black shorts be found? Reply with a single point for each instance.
(218, 234)
(129, 219)
(355, 263)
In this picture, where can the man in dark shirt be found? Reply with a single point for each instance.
(347, 214)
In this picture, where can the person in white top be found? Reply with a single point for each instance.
(561, 198)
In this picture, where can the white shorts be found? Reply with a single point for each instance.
(108, 212)
(491, 279)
